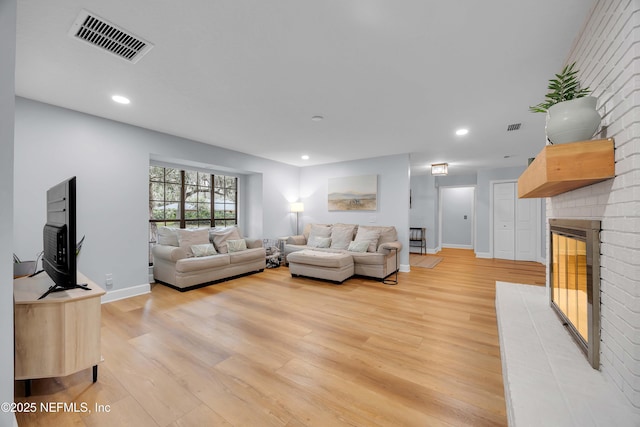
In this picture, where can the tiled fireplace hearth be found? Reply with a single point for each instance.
(574, 273)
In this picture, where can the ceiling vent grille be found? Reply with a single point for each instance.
(104, 35)
(514, 126)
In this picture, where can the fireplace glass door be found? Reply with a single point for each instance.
(570, 281)
(574, 279)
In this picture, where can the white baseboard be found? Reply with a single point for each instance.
(452, 246)
(132, 291)
(404, 268)
(484, 255)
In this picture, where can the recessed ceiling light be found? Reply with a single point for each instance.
(317, 118)
(120, 99)
(305, 157)
(462, 131)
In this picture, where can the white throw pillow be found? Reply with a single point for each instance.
(205, 249)
(168, 236)
(237, 245)
(220, 236)
(360, 246)
(188, 237)
(368, 235)
(319, 242)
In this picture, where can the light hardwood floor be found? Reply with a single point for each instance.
(270, 350)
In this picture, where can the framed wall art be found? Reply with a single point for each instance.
(353, 193)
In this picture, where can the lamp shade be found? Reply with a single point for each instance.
(297, 207)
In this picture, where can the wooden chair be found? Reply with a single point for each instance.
(418, 238)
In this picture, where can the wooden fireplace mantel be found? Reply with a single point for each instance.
(564, 167)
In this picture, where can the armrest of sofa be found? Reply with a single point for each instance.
(296, 240)
(253, 243)
(385, 248)
(169, 253)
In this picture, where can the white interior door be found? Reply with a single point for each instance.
(515, 224)
(526, 229)
(504, 220)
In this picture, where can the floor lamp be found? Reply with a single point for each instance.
(297, 207)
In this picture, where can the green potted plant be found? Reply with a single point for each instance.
(571, 112)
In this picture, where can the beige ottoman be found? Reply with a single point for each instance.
(333, 266)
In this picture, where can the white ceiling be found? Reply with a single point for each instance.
(389, 76)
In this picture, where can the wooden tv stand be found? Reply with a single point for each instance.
(58, 335)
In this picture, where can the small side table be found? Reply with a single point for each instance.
(393, 281)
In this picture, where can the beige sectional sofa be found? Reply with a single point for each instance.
(186, 259)
(379, 258)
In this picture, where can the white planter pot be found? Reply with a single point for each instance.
(575, 120)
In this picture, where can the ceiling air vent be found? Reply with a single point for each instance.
(104, 35)
(514, 126)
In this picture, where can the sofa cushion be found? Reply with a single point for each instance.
(342, 235)
(205, 249)
(321, 258)
(220, 235)
(308, 227)
(188, 237)
(201, 263)
(387, 234)
(168, 236)
(369, 258)
(236, 245)
(370, 235)
(247, 256)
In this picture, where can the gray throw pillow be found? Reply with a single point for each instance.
(341, 236)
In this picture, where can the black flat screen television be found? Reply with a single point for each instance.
(59, 237)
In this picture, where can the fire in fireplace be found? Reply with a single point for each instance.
(575, 281)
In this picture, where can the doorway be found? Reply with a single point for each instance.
(515, 223)
(457, 213)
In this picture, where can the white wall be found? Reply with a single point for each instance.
(393, 195)
(608, 57)
(7, 96)
(111, 161)
(457, 212)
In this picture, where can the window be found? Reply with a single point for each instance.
(165, 189)
(225, 190)
(185, 199)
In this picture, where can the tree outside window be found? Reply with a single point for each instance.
(185, 199)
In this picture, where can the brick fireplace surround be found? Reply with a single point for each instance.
(607, 53)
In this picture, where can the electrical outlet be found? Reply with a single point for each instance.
(108, 280)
